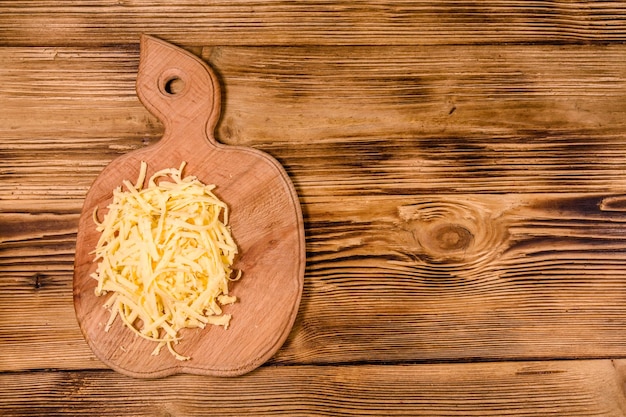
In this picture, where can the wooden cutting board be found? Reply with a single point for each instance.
(265, 219)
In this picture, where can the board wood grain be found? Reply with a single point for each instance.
(264, 215)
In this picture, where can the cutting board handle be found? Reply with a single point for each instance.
(181, 90)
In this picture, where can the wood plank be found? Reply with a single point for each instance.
(442, 277)
(454, 277)
(576, 388)
(408, 119)
(274, 22)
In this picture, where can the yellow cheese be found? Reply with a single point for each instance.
(165, 253)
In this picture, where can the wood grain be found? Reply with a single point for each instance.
(543, 275)
(462, 276)
(432, 181)
(406, 126)
(460, 167)
(273, 22)
(572, 388)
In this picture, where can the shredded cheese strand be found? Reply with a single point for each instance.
(166, 254)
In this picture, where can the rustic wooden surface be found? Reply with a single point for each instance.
(462, 173)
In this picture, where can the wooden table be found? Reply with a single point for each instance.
(462, 172)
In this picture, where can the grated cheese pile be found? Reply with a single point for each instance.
(166, 256)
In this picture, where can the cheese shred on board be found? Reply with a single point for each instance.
(165, 253)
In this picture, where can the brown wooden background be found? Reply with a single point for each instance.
(462, 171)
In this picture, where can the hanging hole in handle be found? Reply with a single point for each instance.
(174, 86)
(172, 82)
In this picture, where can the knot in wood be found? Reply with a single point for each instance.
(465, 235)
(451, 237)
(446, 241)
